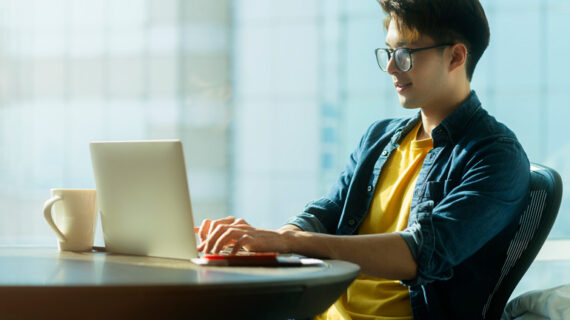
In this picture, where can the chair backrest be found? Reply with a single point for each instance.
(534, 225)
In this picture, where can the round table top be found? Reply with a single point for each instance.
(70, 285)
(49, 267)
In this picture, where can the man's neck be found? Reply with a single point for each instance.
(432, 116)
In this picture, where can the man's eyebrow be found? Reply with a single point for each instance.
(398, 44)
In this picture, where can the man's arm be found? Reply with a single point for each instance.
(379, 255)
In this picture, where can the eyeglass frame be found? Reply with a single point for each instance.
(390, 53)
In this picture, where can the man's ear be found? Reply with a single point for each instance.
(458, 54)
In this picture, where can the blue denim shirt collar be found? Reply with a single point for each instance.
(454, 125)
(451, 128)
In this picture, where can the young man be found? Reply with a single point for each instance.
(427, 205)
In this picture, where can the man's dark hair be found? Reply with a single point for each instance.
(444, 21)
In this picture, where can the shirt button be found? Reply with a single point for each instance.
(369, 188)
(384, 153)
(351, 222)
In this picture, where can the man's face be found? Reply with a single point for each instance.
(423, 85)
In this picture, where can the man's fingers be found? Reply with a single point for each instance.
(204, 229)
(208, 226)
(240, 221)
(229, 236)
(214, 236)
(214, 224)
(242, 236)
(241, 243)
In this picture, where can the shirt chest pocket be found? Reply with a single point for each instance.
(437, 190)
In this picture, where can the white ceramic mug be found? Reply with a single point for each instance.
(74, 217)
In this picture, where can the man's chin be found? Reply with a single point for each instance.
(407, 103)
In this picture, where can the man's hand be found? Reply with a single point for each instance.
(215, 235)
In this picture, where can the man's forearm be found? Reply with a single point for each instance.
(290, 227)
(379, 255)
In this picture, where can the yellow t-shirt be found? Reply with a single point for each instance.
(376, 298)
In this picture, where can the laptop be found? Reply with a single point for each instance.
(144, 201)
(143, 198)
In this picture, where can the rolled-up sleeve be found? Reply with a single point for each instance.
(318, 216)
(490, 195)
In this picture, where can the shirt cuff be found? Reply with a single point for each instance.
(307, 222)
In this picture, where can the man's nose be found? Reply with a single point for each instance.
(391, 66)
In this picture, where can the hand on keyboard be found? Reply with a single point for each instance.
(221, 235)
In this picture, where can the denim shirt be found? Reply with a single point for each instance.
(472, 186)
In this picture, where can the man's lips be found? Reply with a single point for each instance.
(402, 86)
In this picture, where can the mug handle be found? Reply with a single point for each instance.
(47, 215)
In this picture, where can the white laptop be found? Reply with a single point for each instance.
(143, 197)
(145, 207)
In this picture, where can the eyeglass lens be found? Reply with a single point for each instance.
(402, 57)
(382, 57)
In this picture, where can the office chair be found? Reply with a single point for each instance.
(534, 225)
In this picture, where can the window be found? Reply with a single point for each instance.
(75, 71)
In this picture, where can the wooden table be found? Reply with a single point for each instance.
(44, 283)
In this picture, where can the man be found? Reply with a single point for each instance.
(427, 205)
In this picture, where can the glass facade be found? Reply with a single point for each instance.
(75, 71)
(268, 97)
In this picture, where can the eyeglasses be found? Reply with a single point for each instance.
(402, 56)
